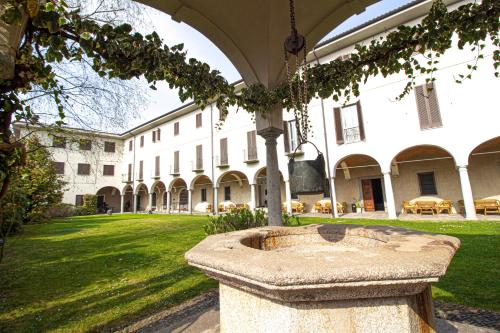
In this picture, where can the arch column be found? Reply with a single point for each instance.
(135, 203)
(122, 199)
(470, 210)
(253, 200)
(169, 198)
(150, 203)
(389, 196)
(190, 201)
(333, 198)
(216, 201)
(288, 194)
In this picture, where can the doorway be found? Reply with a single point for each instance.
(183, 200)
(262, 194)
(373, 194)
(100, 203)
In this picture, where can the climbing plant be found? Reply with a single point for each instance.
(53, 33)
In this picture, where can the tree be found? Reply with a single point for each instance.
(53, 33)
(35, 188)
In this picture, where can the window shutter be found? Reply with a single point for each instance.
(338, 126)
(157, 166)
(108, 170)
(223, 152)
(129, 173)
(130, 145)
(141, 170)
(142, 140)
(176, 128)
(154, 136)
(286, 138)
(176, 161)
(158, 134)
(360, 121)
(252, 146)
(422, 107)
(198, 120)
(199, 157)
(434, 114)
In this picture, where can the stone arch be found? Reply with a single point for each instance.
(260, 182)
(108, 197)
(483, 169)
(235, 175)
(234, 188)
(142, 197)
(203, 179)
(179, 194)
(202, 194)
(158, 196)
(421, 153)
(128, 198)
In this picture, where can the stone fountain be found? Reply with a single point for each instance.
(325, 278)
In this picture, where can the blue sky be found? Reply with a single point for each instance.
(198, 46)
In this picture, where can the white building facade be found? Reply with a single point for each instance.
(441, 143)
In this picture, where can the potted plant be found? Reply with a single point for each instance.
(359, 207)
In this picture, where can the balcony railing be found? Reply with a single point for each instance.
(250, 156)
(197, 166)
(221, 162)
(174, 170)
(126, 178)
(351, 135)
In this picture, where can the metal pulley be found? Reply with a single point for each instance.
(307, 177)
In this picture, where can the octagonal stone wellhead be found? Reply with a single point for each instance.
(325, 278)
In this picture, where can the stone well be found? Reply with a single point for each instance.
(325, 278)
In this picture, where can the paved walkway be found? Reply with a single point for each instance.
(201, 315)
(406, 217)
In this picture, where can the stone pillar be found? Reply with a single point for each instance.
(122, 198)
(169, 198)
(135, 203)
(270, 127)
(333, 197)
(190, 201)
(150, 203)
(389, 196)
(216, 201)
(288, 194)
(253, 202)
(470, 210)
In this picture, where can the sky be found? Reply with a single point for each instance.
(199, 47)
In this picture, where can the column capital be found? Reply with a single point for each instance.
(386, 173)
(270, 133)
(462, 167)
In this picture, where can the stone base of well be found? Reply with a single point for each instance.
(256, 314)
(325, 278)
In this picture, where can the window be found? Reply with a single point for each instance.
(252, 146)
(224, 159)
(153, 134)
(129, 174)
(85, 144)
(59, 166)
(110, 147)
(427, 183)
(427, 106)
(59, 142)
(130, 144)
(108, 170)
(199, 157)
(176, 161)
(227, 193)
(290, 136)
(141, 170)
(142, 141)
(349, 125)
(83, 169)
(198, 120)
(176, 128)
(203, 195)
(79, 200)
(157, 166)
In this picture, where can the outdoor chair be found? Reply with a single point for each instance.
(444, 205)
(426, 207)
(208, 209)
(487, 206)
(409, 207)
(326, 207)
(317, 207)
(340, 208)
(461, 206)
(297, 207)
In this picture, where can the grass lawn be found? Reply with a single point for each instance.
(100, 273)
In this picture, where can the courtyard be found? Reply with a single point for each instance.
(102, 273)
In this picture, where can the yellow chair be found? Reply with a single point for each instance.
(327, 207)
(297, 207)
(426, 207)
(407, 206)
(444, 205)
(340, 208)
(317, 207)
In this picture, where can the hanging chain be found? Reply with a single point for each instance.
(298, 96)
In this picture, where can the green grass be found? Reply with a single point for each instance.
(100, 273)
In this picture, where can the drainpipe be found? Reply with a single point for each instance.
(214, 192)
(134, 198)
(334, 207)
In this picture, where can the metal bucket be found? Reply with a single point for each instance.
(307, 177)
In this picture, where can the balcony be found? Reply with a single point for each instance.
(250, 157)
(221, 162)
(197, 166)
(174, 170)
(126, 178)
(155, 174)
(351, 135)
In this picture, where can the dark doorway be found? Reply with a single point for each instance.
(378, 194)
(183, 200)
(100, 203)
(138, 203)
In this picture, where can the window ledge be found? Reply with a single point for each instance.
(198, 170)
(223, 166)
(251, 161)
(296, 154)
